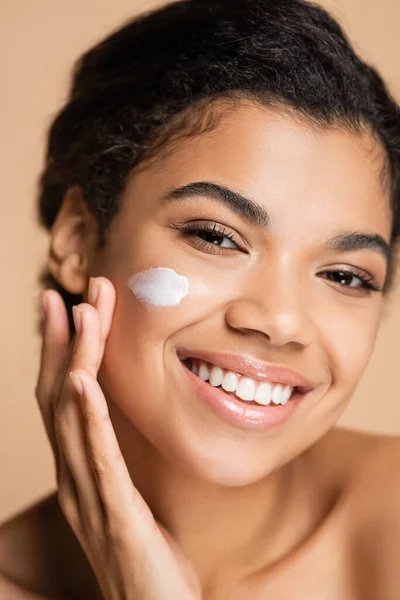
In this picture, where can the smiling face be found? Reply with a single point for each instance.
(260, 283)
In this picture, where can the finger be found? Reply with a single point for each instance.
(67, 495)
(54, 350)
(102, 296)
(87, 343)
(123, 504)
(55, 343)
(69, 425)
(72, 447)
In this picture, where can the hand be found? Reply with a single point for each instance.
(132, 556)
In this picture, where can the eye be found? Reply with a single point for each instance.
(344, 278)
(211, 235)
(223, 241)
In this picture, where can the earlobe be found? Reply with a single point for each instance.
(71, 272)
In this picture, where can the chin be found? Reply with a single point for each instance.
(223, 462)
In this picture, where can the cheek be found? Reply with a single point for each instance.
(140, 352)
(138, 325)
(349, 342)
(140, 366)
(184, 297)
(159, 287)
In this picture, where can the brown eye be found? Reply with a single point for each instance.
(216, 239)
(212, 235)
(344, 278)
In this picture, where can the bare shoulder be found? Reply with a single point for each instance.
(40, 558)
(373, 512)
(373, 464)
(28, 551)
(355, 458)
(365, 465)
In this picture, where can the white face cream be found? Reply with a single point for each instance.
(159, 287)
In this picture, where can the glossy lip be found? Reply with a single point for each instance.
(250, 367)
(231, 409)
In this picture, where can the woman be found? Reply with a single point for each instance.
(222, 195)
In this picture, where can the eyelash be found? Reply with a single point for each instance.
(213, 228)
(367, 282)
(192, 231)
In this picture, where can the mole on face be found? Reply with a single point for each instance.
(159, 287)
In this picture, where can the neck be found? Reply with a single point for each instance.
(224, 531)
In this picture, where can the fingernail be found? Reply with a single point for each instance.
(44, 304)
(77, 318)
(93, 291)
(76, 382)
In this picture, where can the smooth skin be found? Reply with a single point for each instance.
(132, 556)
(197, 508)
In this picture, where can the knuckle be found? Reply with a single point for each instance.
(88, 415)
(98, 464)
(80, 360)
(118, 458)
(117, 522)
(105, 420)
(40, 394)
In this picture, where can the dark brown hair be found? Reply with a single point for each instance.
(157, 76)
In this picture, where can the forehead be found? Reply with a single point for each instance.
(286, 163)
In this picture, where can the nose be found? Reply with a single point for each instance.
(274, 306)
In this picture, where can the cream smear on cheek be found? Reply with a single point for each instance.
(159, 287)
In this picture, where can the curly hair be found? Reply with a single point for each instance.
(157, 78)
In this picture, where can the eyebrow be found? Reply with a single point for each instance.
(255, 214)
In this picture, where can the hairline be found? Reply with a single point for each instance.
(205, 114)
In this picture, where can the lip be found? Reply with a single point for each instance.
(231, 409)
(250, 367)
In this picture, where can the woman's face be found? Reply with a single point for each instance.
(263, 292)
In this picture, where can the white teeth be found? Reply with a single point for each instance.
(246, 389)
(277, 394)
(230, 381)
(216, 376)
(204, 372)
(263, 394)
(287, 392)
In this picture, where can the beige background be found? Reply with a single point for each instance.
(38, 43)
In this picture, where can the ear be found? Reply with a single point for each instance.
(74, 239)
